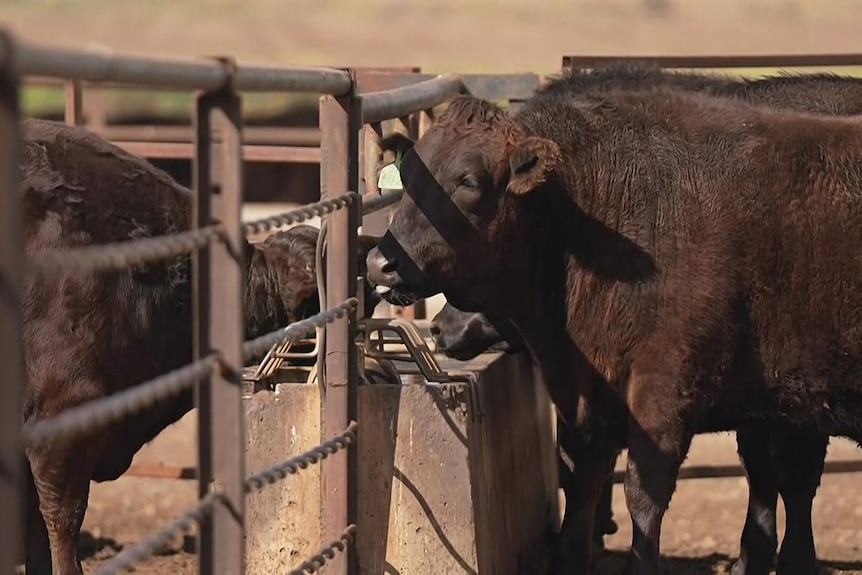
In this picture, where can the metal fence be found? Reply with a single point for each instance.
(215, 235)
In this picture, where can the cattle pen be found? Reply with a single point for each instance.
(353, 108)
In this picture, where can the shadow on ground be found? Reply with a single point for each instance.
(94, 546)
(613, 562)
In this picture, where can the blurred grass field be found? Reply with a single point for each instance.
(467, 36)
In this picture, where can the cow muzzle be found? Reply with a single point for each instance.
(387, 281)
(382, 271)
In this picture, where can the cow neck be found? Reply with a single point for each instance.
(536, 302)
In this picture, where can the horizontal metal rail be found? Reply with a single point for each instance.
(722, 471)
(375, 202)
(517, 86)
(105, 67)
(761, 61)
(250, 153)
(389, 104)
(251, 135)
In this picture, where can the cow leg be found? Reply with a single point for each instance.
(592, 464)
(798, 460)
(61, 472)
(658, 443)
(605, 512)
(37, 550)
(759, 537)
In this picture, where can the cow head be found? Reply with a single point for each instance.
(464, 335)
(456, 227)
(282, 278)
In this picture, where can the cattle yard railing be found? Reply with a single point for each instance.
(214, 240)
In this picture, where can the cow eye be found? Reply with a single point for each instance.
(470, 181)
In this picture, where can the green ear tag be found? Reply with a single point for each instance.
(390, 177)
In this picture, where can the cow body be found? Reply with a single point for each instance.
(777, 461)
(90, 335)
(676, 264)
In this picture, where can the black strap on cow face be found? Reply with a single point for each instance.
(455, 229)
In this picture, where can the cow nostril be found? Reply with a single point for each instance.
(390, 266)
(435, 331)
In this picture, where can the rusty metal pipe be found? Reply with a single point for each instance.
(375, 202)
(293, 136)
(389, 104)
(339, 131)
(219, 328)
(109, 68)
(759, 61)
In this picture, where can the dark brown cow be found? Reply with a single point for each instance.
(777, 461)
(676, 263)
(87, 336)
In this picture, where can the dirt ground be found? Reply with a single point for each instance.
(700, 532)
(702, 527)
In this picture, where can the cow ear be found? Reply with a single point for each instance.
(394, 146)
(530, 164)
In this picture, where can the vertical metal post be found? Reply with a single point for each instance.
(11, 279)
(340, 122)
(74, 115)
(409, 125)
(426, 118)
(371, 156)
(220, 328)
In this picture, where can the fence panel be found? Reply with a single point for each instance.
(218, 299)
(11, 276)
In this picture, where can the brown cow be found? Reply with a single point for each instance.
(89, 335)
(658, 252)
(776, 460)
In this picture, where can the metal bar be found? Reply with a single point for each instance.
(308, 137)
(372, 156)
(489, 86)
(720, 471)
(161, 471)
(426, 119)
(74, 114)
(106, 67)
(375, 202)
(379, 106)
(339, 131)
(360, 72)
(11, 344)
(249, 153)
(759, 61)
(220, 329)
(417, 309)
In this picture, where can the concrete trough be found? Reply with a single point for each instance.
(453, 478)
